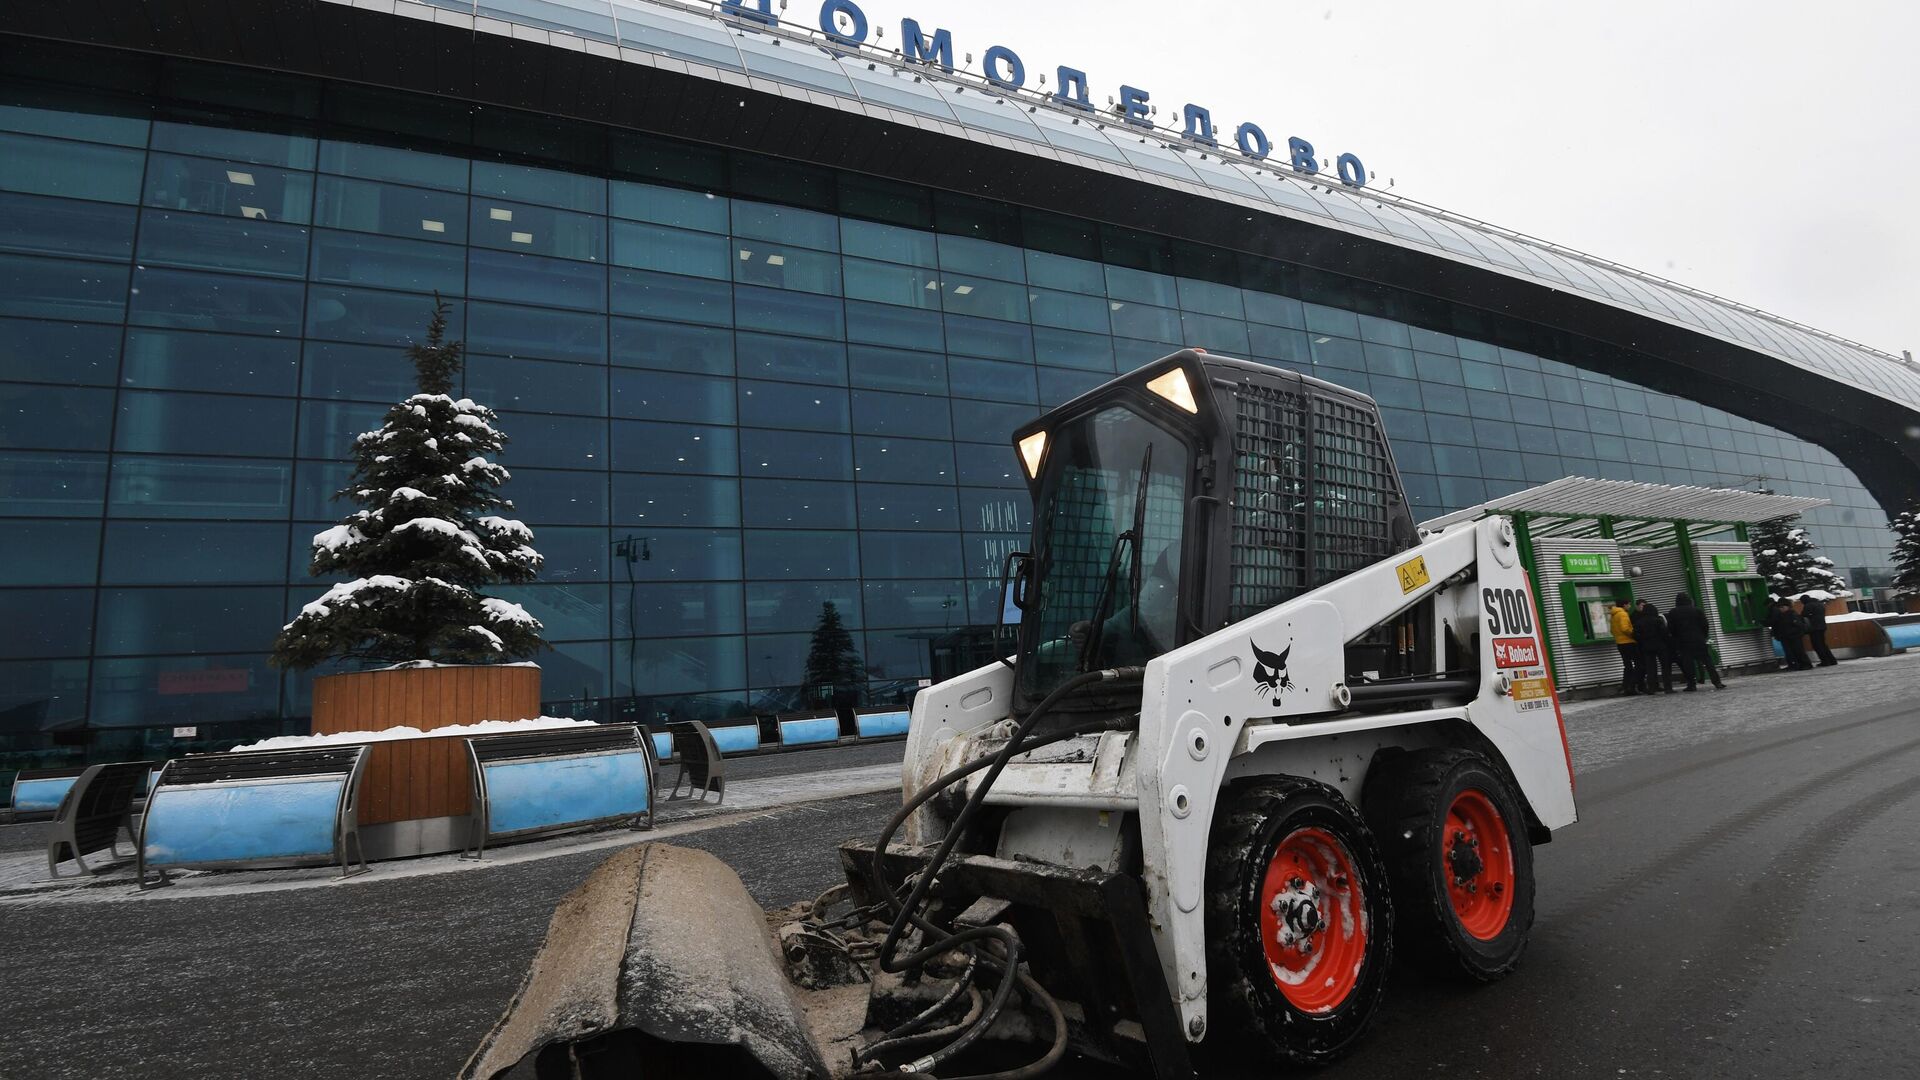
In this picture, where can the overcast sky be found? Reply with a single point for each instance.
(1762, 150)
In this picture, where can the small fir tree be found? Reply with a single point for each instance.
(423, 542)
(832, 661)
(1906, 552)
(1785, 555)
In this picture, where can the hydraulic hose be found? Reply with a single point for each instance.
(939, 941)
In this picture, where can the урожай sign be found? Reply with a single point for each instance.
(1729, 564)
(844, 23)
(1586, 564)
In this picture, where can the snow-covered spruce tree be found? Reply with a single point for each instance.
(1785, 555)
(423, 542)
(1906, 552)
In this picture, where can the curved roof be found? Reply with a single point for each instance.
(797, 62)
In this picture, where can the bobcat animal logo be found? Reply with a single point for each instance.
(1270, 671)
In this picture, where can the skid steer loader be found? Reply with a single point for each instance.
(1256, 732)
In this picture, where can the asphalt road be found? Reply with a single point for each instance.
(1740, 898)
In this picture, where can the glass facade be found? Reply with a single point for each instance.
(781, 387)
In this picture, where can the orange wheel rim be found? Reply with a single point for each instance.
(1476, 855)
(1313, 920)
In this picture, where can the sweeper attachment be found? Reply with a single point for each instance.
(1255, 732)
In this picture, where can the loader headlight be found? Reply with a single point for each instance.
(1174, 387)
(1032, 448)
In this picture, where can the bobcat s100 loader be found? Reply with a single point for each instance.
(1257, 734)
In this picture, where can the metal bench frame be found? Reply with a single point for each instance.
(480, 813)
(346, 830)
(69, 820)
(709, 775)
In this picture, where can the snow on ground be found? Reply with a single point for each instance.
(348, 738)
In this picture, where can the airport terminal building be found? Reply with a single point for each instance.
(759, 308)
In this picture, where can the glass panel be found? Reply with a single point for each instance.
(370, 162)
(55, 552)
(201, 488)
(672, 347)
(200, 242)
(792, 554)
(62, 288)
(80, 353)
(536, 332)
(32, 225)
(671, 296)
(546, 187)
(785, 224)
(909, 554)
(383, 262)
(193, 301)
(795, 605)
(51, 485)
(166, 423)
(791, 407)
(789, 312)
(648, 501)
(198, 620)
(537, 229)
(891, 243)
(366, 206)
(798, 504)
(70, 169)
(702, 210)
(554, 441)
(355, 372)
(53, 417)
(193, 553)
(894, 369)
(878, 458)
(908, 507)
(188, 691)
(556, 497)
(676, 610)
(263, 147)
(876, 413)
(646, 446)
(690, 555)
(537, 385)
(778, 266)
(792, 359)
(535, 279)
(45, 622)
(668, 250)
(234, 189)
(798, 454)
(655, 395)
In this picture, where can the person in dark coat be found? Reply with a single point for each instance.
(1656, 648)
(1815, 612)
(1787, 629)
(1692, 641)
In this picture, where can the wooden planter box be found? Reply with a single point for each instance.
(417, 793)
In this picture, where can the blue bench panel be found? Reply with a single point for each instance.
(736, 739)
(1904, 635)
(285, 819)
(41, 795)
(663, 745)
(823, 729)
(875, 725)
(552, 792)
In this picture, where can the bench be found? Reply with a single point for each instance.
(96, 806)
(702, 768)
(810, 730)
(529, 783)
(39, 791)
(254, 809)
(881, 725)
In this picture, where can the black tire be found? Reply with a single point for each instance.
(1251, 1015)
(1408, 798)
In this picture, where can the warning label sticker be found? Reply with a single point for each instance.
(1530, 694)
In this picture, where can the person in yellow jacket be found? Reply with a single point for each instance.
(1620, 622)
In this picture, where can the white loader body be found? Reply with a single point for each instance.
(1266, 696)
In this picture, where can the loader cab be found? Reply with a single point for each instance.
(1187, 496)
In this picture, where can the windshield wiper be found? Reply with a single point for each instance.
(1096, 629)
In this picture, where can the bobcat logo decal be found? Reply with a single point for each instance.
(1270, 671)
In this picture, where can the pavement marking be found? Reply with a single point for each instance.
(23, 879)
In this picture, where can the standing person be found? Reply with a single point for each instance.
(1787, 629)
(1815, 612)
(1687, 626)
(1656, 649)
(1620, 623)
